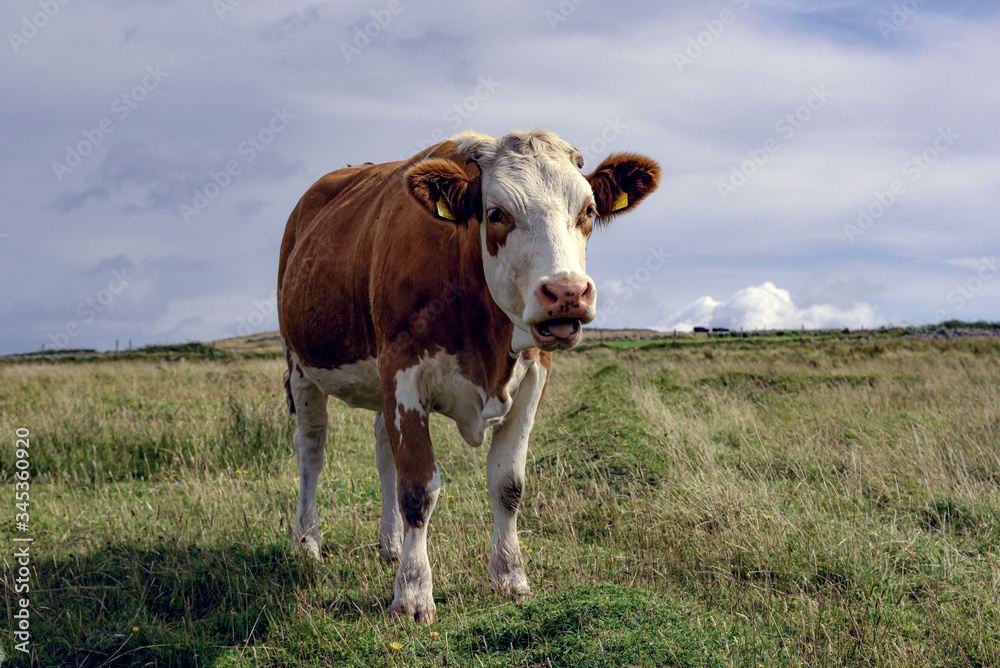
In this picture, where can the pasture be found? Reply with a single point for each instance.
(725, 502)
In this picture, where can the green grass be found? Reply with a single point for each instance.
(718, 502)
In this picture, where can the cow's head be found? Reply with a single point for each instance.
(535, 212)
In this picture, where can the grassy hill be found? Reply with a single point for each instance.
(782, 501)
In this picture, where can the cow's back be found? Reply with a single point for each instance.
(325, 265)
(361, 262)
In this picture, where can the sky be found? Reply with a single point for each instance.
(825, 164)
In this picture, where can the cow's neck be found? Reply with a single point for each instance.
(490, 328)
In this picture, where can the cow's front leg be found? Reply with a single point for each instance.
(418, 483)
(505, 478)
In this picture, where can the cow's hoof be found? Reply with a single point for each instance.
(422, 613)
(509, 581)
(389, 544)
(514, 588)
(310, 546)
(389, 552)
(390, 535)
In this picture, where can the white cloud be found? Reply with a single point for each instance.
(696, 314)
(767, 306)
(973, 263)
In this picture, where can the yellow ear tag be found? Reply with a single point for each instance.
(443, 211)
(621, 201)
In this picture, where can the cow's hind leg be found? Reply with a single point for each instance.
(310, 450)
(390, 533)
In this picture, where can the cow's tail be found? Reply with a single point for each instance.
(288, 392)
(289, 401)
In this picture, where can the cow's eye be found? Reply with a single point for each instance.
(495, 215)
(591, 211)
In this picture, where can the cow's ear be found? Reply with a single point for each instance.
(444, 189)
(621, 182)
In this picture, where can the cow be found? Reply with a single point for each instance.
(441, 283)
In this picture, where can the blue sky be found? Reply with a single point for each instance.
(825, 163)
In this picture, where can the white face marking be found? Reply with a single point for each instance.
(540, 193)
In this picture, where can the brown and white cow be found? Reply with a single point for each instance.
(441, 283)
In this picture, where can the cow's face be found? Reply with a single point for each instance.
(535, 212)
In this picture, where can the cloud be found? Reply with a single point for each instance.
(163, 174)
(292, 24)
(161, 171)
(973, 263)
(109, 264)
(69, 201)
(840, 291)
(697, 314)
(767, 306)
(248, 208)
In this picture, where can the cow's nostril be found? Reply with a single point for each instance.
(569, 299)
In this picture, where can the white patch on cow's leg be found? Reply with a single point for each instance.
(390, 533)
(413, 592)
(505, 478)
(310, 448)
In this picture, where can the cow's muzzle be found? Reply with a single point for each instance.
(557, 333)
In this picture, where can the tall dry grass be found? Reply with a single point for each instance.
(795, 504)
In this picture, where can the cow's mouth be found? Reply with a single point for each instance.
(558, 333)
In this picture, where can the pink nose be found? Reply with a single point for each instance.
(566, 299)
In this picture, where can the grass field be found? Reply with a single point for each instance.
(718, 503)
